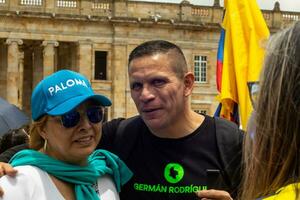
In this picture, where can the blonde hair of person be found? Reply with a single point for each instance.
(36, 142)
(272, 155)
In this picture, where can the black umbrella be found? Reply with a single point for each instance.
(11, 117)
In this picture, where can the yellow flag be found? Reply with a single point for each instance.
(245, 33)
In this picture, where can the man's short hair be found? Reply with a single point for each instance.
(161, 46)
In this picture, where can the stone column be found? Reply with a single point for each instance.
(3, 70)
(49, 61)
(84, 58)
(119, 74)
(21, 79)
(13, 74)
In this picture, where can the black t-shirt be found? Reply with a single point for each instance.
(166, 168)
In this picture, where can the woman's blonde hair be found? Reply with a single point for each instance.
(272, 157)
(36, 141)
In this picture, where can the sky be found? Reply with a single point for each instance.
(285, 5)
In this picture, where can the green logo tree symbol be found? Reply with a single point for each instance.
(173, 172)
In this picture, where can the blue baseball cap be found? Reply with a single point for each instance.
(61, 92)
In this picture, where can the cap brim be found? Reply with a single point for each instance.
(74, 102)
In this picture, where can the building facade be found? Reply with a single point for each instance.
(95, 37)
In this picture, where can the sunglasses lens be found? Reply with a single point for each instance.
(95, 114)
(70, 119)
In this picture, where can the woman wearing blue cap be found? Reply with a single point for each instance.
(62, 163)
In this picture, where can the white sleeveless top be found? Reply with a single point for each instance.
(32, 183)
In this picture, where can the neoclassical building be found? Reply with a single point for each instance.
(95, 37)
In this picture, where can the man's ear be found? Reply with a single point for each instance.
(188, 80)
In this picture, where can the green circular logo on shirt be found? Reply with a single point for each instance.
(173, 172)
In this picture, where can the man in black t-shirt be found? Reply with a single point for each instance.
(169, 147)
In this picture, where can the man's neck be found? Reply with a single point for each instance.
(183, 127)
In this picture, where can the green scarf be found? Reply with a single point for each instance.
(100, 162)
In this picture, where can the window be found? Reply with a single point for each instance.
(100, 65)
(200, 68)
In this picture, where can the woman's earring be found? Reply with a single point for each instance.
(45, 145)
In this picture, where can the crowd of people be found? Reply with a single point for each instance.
(167, 151)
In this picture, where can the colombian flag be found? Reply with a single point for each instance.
(240, 58)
